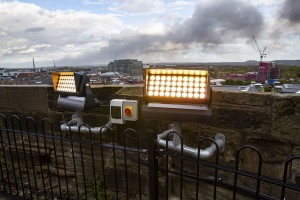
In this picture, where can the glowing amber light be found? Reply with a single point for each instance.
(176, 84)
(66, 83)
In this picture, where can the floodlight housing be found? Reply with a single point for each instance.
(74, 91)
(177, 95)
(70, 83)
(177, 86)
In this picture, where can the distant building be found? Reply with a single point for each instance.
(127, 67)
(267, 71)
(236, 76)
(250, 76)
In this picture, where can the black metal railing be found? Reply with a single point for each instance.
(39, 161)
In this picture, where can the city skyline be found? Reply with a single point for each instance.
(77, 32)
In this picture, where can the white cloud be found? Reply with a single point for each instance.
(140, 6)
(43, 32)
(153, 31)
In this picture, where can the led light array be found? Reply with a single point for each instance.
(177, 83)
(66, 83)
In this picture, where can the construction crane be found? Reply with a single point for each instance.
(261, 53)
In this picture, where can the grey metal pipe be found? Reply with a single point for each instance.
(175, 145)
(204, 153)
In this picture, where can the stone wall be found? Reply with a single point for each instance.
(267, 121)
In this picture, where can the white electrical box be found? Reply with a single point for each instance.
(122, 110)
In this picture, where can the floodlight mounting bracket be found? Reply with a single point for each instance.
(177, 112)
(78, 103)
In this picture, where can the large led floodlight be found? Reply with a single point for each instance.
(74, 91)
(177, 86)
(177, 94)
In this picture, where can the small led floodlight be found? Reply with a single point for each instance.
(69, 83)
(177, 94)
(74, 91)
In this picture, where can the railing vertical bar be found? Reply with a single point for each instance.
(139, 167)
(153, 165)
(2, 175)
(74, 163)
(125, 165)
(115, 168)
(198, 169)
(45, 144)
(4, 154)
(1, 168)
(237, 166)
(102, 163)
(17, 154)
(13, 164)
(286, 165)
(26, 163)
(82, 162)
(167, 169)
(181, 167)
(64, 162)
(32, 161)
(93, 163)
(216, 171)
(39, 152)
(56, 163)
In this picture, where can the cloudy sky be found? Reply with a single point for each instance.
(78, 32)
